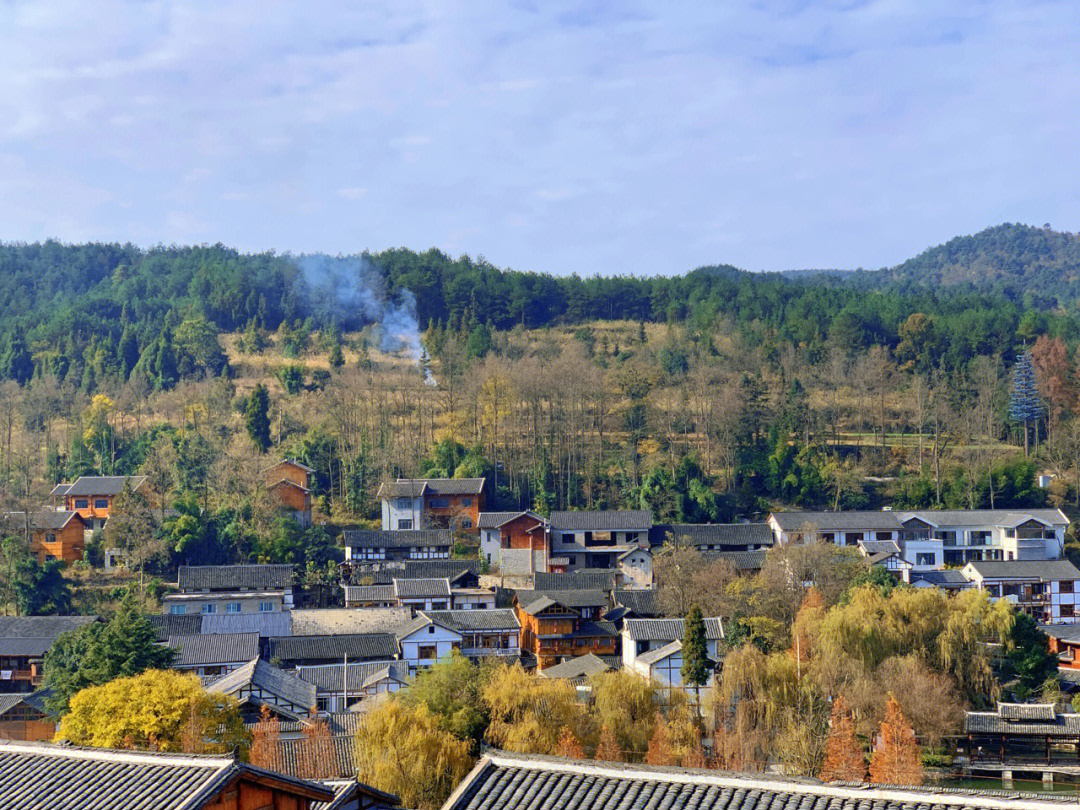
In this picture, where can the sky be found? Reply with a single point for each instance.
(612, 138)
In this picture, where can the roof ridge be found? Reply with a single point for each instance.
(134, 757)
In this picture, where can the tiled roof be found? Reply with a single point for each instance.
(271, 623)
(576, 598)
(476, 620)
(451, 569)
(597, 628)
(34, 635)
(348, 793)
(45, 520)
(421, 588)
(667, 629)
(270, 679)
(369, 593)
(948, 576)
(226, 648)
(415, 487)
(642, 603)
(10, 700)
(660, 653)
(398, 538)
(1043, 712)
(534, 603)
(1064, 632)
(870, 547)
(993, 723)
(235, 577)
(358, 647)
(90, 485)
(291, 461)
(39, 775)
(336, 751)
(601, 579)
(1043, 570)
(330, 678)
(503, 781)
(421, 621)
(608, 520)
(712, 534)
(868, 520)
(335, 621)
(60, 490)
(985, 517)
(575, 668)
(741, 560)
(493, 520)
(170, 625)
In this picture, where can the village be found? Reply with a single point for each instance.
(565, 598)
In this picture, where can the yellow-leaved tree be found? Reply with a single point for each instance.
(402, 750)
(158, 709)
(528, 714)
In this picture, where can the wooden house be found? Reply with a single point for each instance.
(92, 496)
(1023, 734)
(23, 717)
(39, 774)
(290, 481)
(54, 534)
(375, 547)
(24, 640)
(552, 631)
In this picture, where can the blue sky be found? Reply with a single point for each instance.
(587, 137)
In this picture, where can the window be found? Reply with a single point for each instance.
(466, 501)
(466, 523)
(431, 628)
(572, 559)
(427, 652)
(232, 607)
(437, 606)
(50, 538)
(82, 503)
(404, 503)
(178, 610)
(209, 608)
(926, 559)
(404, 524)
(439, 503)
(266, 607)
(1065, 586)
(1067, 611)
(101, 503)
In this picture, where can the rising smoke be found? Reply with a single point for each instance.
(351, 292)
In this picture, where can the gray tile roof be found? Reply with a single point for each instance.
(351, 793)
(1043, 712)
(576, 598)
(226, 648)
(1063, 725)
(330, 678)
(285, 686)
(1064, 632)
(451, 569)
(869, 520)
(504, 619)
(10, 701)
(493, 520)
(985, 517)
(667, 629)
(421, 588)
(1043, 570)
(607, 520)
(398, 538)
(369, 593)
(642, 603)
(597, 628)
(272, 623)
(597, 579)
(870, 547)
(713, 534)
(338, 753)
(414, 487)
(235, 577)
(170, 625)
(742, 560)
(944, 578)
(577, 668)
(503, 781)
(34, 635)
(39, 775)
(660, 653)
(91, 485)
(358, 647)
(335, 621)
(45, 520)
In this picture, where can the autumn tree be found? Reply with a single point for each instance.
(133, 528)
(625, 705)
(401, 750)
(317, 760)
(659, 751)
(527, 714)
(897, 760)
(607, 749)
(156, 709)
(265, 738)
(685, 579)
(569, 746)
(844, 759)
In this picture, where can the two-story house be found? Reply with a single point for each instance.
(595, 539)
(290, 482)
(425, 641)
(484, 633)
(713, 536)
(24, 640)
(514, 542)
(429, 503)
(365, 547)
(552, 632)
(1044, 589)
(92, 496)
(652, 648)
(972, 535)
(231, 589)
(54, 534)
(435, 593)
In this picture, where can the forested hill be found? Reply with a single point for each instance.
(96, 311)
(1039, 264)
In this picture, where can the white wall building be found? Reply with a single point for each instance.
(649, 647)
(424, 642)
(1044, 589)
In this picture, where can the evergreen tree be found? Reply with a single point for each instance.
(897, 761)
(1025, 406)
(127, 351)
(256, 417)
(844, 760)
(695, 651)
(337, 356)
(16, 362)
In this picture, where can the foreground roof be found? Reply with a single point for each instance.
(606, 520)
(235, 577)
(348, 793)
(39, 775)
(503, 781)
(1020, 718)
(90, 485)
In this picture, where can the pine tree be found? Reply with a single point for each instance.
(1025, 406)
(898, 760)
(265, 751)
(569, 746)
(844, 760)
(337, 356)
(695, 652)
(608, 749)
(256, 417)
(660, 751)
